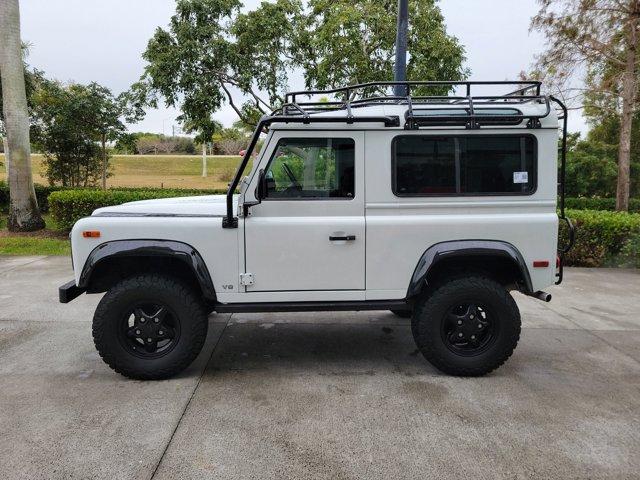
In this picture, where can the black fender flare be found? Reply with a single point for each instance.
(461, 248)
(150, 248)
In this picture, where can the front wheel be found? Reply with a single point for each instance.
(149, 327)
(467, 327)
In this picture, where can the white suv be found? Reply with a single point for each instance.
(434, 207)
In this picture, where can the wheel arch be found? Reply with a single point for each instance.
(112, 261)
(442, 258)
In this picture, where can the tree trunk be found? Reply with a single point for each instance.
(204, 159)
(24, 214)
(5, 149)
(629, 92)
(104, 163)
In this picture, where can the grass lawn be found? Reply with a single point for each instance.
(160, 171)
(45, 242)
(24, 245)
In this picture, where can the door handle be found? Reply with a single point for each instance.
(348, 238)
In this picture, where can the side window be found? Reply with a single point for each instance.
(312, 168)
(464, 165)
(497, 165)
(425, 165)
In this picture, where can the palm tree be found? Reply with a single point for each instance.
(24, 214)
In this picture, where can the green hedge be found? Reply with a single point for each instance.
(42, 194)
(68, 206)
(604, 239)
(583, 203)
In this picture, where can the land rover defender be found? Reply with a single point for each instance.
(435, 204)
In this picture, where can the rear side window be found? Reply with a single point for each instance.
(464, 165)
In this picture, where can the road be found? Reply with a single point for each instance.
(327, 395)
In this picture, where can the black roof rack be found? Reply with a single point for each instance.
(423, 110)
(426, 109)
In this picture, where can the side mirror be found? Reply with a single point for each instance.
(262, 185)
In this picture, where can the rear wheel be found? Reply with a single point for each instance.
(468, 326)
(149, 327)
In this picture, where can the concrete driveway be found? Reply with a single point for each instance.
(331, 395)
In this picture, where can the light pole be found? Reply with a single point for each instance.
(400, 67)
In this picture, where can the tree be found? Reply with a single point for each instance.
(146, 143)
(33, 79)
(102, 112)
(605, 130)
(211, 126)
(24, 214)
(229, 141)
(346, 41)
(591, 167)
(599, 40)
(212, 54)
(184, 145)
(126, 144)
(189, 62)
(64, 130)
(73, 116)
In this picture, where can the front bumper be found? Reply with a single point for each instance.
(69, 291)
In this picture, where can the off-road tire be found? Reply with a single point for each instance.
(431, 312)
(401, 313)
(187, 306)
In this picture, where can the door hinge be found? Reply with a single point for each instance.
(246, 279)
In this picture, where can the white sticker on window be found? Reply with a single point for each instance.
(520, 177)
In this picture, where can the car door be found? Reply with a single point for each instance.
(308, 232)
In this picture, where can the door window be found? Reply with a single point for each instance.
(312, 168)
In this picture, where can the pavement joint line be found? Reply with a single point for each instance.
(592, 332)
(25, 264)
(569, 319)
(186, 407)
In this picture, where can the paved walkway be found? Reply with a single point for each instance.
(331, 395)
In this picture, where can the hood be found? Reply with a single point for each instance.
(206, 205)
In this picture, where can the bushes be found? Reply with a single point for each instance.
(69, 206)
(630, 253)
(604, 238)
(42, 194)
(585, 203)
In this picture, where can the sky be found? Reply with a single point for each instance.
(102, 41)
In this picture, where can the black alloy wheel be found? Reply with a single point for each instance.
(469, 329)
(149, 330)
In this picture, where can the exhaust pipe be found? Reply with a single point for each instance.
(540, 295)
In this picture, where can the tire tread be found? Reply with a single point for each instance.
(425, 339)
(194, 308)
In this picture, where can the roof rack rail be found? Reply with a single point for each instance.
(470, 111)
(424, 109)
